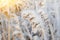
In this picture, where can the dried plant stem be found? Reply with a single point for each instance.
(13, 38)
(3, 36)
(9, 33)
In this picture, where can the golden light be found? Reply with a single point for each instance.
(7, 3)
(10, 5)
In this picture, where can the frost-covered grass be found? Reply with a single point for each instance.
(29, 20)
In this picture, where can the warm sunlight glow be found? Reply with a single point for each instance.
(7, 3)
(8, 6)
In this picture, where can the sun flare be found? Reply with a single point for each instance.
(10, 6)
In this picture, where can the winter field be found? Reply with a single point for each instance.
(29, 19)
